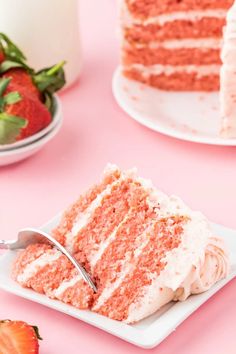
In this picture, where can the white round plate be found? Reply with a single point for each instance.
(21, 153)
(188, 116)
(55, 119)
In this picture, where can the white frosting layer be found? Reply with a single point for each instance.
(200, 43)
(158, 69)
(194, 15)
(66, 285)
(228, 76)
(32, 268)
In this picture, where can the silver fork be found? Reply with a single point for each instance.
(30, 236)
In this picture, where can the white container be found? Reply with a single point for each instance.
(46, 30)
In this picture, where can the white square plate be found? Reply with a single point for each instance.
(147, 333)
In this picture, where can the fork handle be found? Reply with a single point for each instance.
(5, 245)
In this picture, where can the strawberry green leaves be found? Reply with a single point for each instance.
(10, 64)
(14, 57)
(10, 125)
(11, 51)
(10, 48)
(48, 81)
(3, 85)
(10, 98)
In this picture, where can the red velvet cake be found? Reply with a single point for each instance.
(173, 45)
(141, 247)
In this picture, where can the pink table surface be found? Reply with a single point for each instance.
(95, 132)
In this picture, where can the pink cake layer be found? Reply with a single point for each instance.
(178, 29)
(182, 56)
(149, 8)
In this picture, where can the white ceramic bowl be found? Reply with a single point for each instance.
(11, 156)
(55, 119)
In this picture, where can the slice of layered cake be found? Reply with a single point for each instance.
(173, 45)
(142, 248)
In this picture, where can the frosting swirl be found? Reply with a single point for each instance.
(214, 267)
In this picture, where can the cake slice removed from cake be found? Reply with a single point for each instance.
(142, 248)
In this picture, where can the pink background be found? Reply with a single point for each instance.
(95, 132)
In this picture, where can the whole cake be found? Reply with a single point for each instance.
(172, 44)
(187, 45)
(141, 247)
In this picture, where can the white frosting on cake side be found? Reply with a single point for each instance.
(193, 43)
(193, 16)
(158, 69)
(228, 76)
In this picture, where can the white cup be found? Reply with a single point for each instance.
(47, 31)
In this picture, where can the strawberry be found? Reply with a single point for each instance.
(26, 96)
(22, 114)
(17, 337)
(31, 109)
(23, 79)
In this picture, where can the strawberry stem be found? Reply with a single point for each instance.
(54, 69)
